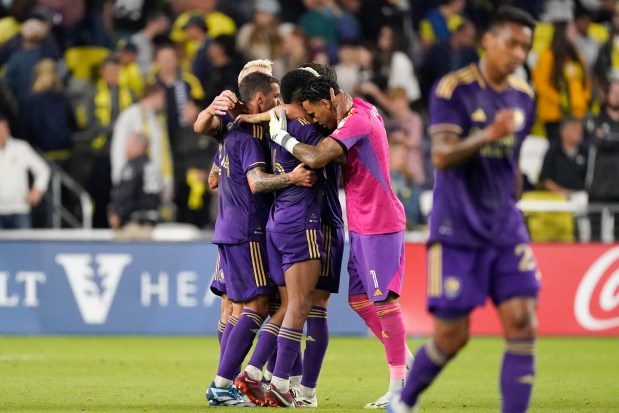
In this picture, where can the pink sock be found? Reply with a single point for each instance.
(366, 310)
(394, 338)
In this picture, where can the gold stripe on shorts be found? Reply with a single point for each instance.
(256, 260)
(326, 234)
(217, 268)
(435, 283)
(312, 244)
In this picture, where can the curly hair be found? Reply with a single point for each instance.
(318, 89)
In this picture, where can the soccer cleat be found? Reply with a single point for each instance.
(381, 403)
(226, 396)
(303, 400)
(277, 398)
(398, 406)
(251, 388)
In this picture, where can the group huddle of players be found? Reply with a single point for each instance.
(280, 231)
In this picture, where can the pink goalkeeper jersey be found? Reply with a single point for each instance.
(371, 206)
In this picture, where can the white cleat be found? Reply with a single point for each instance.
(396, 405)
(303, 400)
(381, 403)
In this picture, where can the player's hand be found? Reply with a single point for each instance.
(224, 102)
(301, 176)
(342, 103)
(277, 123)
(251, 118)
(503, 124)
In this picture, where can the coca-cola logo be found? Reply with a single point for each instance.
(598, 294)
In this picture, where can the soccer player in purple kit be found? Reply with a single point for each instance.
(478, 242)
(375, 216)
(240, 229)
(292, 210)
(215, 121)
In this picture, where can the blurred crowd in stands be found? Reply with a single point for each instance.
(93, 85)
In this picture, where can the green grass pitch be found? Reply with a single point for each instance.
(170, 374)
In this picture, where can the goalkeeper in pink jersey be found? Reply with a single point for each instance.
(376, 217)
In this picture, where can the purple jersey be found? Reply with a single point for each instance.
(474, 203)
(331, 207)
(226, 123)
(295, 208)
(242, 215)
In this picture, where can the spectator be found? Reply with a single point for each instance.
(440, 22)
(136, 197)
(130, 75)
(348, 67)
(217, 22)
(603, 133)
(585, 44)
(448, 55)
(156, 24)
(49, 46)
(182, 90)
(565, 165)
(226, 66)
(561, 80)
(130, 16)
(145, 118)
(17, 158)
(201, 65)
(49, 122)
(394, 64)
(403, 183)
(260, 38)
(110, 99)
(296, 49)
(20, 66)
(607, 65)
(320, 24)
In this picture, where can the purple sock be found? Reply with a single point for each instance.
(232, 320)
(265, 347)
(517, 375)
(288, 347)
(429, 361)
(316, 343)
(272, 361)
(297, 366)
(221, 327)
(239, 343)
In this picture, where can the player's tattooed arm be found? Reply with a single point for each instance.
(261, 181)
(450, 150)
(318, 156)
(213, 177)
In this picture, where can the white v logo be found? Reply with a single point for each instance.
(94, 292)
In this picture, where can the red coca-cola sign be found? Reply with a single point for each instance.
(579, 296)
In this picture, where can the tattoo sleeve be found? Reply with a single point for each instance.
(318, 156)
(260, 181)
(213, 177)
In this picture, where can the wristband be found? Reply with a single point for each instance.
(284, 139)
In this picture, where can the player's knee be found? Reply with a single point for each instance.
(522, 325)
(259, 305)
(452, 340)
(320, 298)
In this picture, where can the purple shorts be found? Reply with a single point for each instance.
(246, 270)
(376, 264)
(218, 285)
(460, 279)
(333, 240)
(286, 249)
